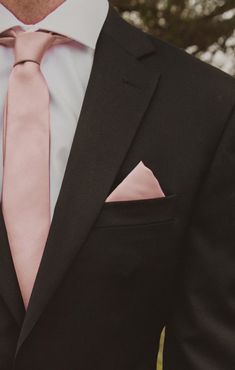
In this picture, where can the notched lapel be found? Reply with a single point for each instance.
(118, 94)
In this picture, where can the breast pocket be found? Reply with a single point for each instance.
(135, 242)
(138, 212)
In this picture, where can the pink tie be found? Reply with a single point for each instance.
(26, 155)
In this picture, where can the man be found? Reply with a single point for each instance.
(118, 201)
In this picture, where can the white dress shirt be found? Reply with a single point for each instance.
(67, 70)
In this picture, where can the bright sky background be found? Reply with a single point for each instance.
(224, 61)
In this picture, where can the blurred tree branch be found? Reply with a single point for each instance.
(185, 23)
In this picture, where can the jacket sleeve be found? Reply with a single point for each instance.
(200, 329)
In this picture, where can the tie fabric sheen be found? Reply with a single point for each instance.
(26, 154)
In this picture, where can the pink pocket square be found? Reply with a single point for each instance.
(140, 183)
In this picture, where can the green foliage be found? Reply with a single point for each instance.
(186, 23)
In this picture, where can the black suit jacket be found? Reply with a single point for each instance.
(113, 275)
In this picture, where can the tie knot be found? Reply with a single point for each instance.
(31, 45)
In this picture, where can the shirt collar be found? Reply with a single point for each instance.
(80, 20)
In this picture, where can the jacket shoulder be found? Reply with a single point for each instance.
(177, 67)
(178, 59)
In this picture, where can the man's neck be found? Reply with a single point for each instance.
(31, 11)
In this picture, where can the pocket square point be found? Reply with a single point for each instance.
(140, 183)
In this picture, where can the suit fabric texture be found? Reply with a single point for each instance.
(114, 274)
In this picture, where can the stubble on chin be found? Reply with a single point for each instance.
(31, 11)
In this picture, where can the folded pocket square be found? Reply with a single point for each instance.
(140, 183)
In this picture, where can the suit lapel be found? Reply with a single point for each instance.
(9, 287)
(118, 94)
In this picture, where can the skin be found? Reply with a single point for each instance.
(31, 11)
